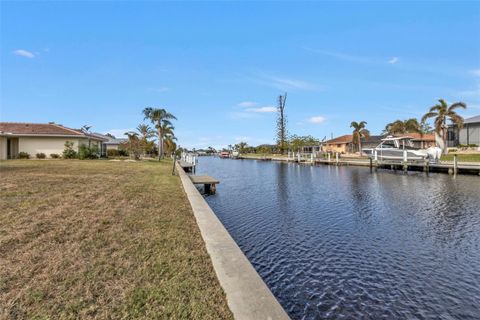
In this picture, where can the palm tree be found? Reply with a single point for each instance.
(168, 137)
(405, 126)
(442, 112)
(133, 144)
(359, 133)
(146, 131)
(169, 144)
(159, 117)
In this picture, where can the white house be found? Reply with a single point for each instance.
(32, 138)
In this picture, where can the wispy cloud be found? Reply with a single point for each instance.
(160, 89)
(393, 60)
(316, 119)
(354, 58)
(475, 72)
(247, 104)
(286, 83)
(119, 133)
(339, 55)
(267, 109)
(471, 93)
(23, 53)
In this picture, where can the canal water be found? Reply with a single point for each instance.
(345, 243)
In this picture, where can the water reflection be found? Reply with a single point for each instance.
(343, 242)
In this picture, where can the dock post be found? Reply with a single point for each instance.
(426, 166)
(455, 165)
(329, 156)
(336, 158)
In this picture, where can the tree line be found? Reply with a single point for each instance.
(442, 113)
(140, 141)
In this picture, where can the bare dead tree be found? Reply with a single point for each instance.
(282, 124)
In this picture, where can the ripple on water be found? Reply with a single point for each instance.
(344, 243)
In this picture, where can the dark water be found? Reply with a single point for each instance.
(344, 243)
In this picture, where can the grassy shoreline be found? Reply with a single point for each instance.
(101, 239)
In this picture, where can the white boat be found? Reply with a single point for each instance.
(234, 154)
(401, 148)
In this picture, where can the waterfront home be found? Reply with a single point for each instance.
(109, 142)
(421, 141)
(344, 144)
(468, 135)
(34, 138)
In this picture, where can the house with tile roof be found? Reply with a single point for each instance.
(343, 144)
(48, 138)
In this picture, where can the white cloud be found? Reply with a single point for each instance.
(317, 119)
(247, 104)
(393, 60)
(475, 72)
(23, 53)
(119, 133)
(267, 109)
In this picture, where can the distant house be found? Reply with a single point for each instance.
(419, 140)
(109, 142)
(469, 134)
(32, 138)
(344, 144)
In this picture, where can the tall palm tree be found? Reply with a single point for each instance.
(405, 126)
(359, 133)
(159, 117)
(443, 112)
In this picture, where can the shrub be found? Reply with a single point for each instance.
(113, 153)
(54, 155)
(40, 155)
(122, 152)
(86, 152)
(23, 155)
(68, 152)
(452, 150)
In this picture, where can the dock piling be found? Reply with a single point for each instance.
(455, 165)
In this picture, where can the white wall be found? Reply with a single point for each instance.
(3, 148)
(47, 145)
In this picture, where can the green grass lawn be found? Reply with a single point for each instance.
(101, 239)
(473, 157)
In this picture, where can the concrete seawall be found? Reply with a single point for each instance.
(248, 296)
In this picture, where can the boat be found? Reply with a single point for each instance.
(224, 154)
(401, 148)
(234, 154)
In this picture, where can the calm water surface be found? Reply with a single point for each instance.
(344, 243)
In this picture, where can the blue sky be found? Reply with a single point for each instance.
(219, 66)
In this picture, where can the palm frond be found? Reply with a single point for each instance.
(457, 105)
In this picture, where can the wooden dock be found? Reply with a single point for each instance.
(208, 182)
(451, 168)
(187, 166)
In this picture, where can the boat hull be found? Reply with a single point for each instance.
(395, 154)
